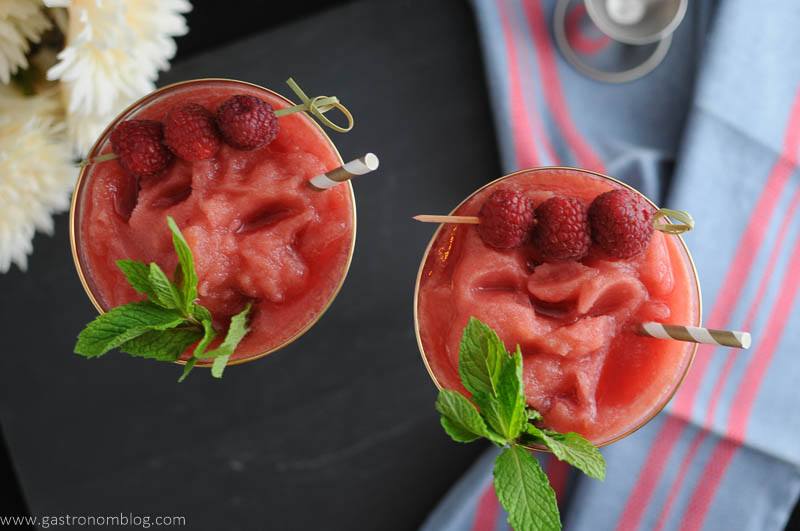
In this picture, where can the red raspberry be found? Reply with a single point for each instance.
(138, 144)
(247, 122)
(191, 133)
(506, 219)
(622, 223)
(562, 231)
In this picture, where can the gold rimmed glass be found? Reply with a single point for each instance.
(85, 175)
(668, 396)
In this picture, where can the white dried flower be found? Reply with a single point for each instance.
(21, 22)
(36, 171)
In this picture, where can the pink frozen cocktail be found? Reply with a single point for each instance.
(585, 368)
(258, 232)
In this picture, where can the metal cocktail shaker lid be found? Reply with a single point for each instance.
(630, 22)
(637, 21)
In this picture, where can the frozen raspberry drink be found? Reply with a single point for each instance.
(259, 233)
(568, 290)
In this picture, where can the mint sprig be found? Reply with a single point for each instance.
(494, 377)
(168, 322)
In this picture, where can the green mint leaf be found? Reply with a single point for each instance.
(460, 419)
(236, 331)
(511, 393)
(456, 430)
(480, 358)
(572, 448)
(122, 324)
(188, 277)
(162, 345)
(577, 451)
(208, 336)
(177, 276)
(535, 432)
(218, 365)
(187, 369)
(525, 492)
(201, 313)
(164, 292)
(138, 275)
(505, 411)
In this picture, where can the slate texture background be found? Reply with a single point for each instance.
(337, 431)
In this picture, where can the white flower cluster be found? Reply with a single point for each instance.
(113, 52)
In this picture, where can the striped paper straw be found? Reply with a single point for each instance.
(696, 334)
(359, 166)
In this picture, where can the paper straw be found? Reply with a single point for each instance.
(696, 334)
(359, 166)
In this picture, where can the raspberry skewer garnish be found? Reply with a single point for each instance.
(504, 221)
(561, 228)
(244, 121)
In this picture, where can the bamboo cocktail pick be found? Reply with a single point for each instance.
(466, 220)
(686, 221)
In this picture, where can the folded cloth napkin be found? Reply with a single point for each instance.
(714, 130)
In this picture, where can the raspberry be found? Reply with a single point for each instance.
(191, 133)
(247, 122)
(506, 219)
(138, 144)
(562, 231)
(622, 223)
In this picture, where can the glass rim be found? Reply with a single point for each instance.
(136, 105)
(685, 248)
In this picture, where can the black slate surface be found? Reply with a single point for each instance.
(337, 431)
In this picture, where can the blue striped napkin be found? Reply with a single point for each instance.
(714, 130)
